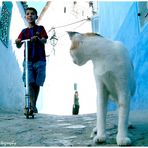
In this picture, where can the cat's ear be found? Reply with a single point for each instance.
(72, 34)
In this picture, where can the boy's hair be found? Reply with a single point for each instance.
(31, 8)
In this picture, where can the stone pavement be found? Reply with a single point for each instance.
(54, 130)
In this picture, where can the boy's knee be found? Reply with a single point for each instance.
(33, 84)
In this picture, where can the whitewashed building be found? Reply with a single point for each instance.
(61, 73)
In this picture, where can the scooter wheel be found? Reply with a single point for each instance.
(27, 117)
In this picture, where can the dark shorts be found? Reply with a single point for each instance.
(36, 72)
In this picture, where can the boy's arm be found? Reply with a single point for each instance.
(43, 38)
(40, 36)
(19, 39)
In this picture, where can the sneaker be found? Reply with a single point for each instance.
(31, 112)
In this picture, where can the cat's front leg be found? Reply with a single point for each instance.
(122, 136)
(101, 113)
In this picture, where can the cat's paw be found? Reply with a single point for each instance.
(99, 139)
(123, 141)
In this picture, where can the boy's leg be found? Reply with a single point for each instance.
(32, 96)
(31, 81)
(34, 91)
(39, 77)
(37, 89)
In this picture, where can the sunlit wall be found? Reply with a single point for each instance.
(57, 95)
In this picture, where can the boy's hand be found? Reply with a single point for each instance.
(34, 38)
(18, 43)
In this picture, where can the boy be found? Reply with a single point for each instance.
(36, 55)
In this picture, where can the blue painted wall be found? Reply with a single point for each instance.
(119, 21)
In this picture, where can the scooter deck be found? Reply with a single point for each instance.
(28, 113)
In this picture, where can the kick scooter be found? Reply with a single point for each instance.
(27, 110)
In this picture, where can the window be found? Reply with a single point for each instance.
(5, 18)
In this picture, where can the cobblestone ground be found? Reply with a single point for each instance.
(53, 130)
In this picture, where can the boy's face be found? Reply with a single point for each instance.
(30, 16)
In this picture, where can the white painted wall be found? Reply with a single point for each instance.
(11, 85)
(57, 94)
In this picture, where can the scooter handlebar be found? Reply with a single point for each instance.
(26, 40)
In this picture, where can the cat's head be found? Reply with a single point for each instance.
(78, 48)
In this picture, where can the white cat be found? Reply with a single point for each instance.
(114, 75)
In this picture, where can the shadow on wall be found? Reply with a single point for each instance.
(11, 85)
(139, 54)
